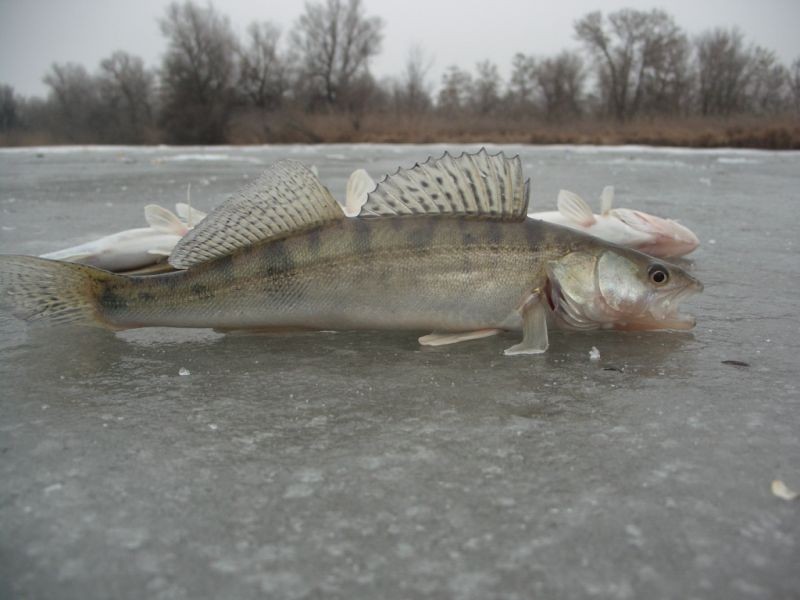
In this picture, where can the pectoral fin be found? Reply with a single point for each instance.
(534, 327)
(443, 339)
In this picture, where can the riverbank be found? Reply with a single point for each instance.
(769, 133)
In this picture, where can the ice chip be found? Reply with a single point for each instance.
(594, 353)
(780, 490)
(183, 372)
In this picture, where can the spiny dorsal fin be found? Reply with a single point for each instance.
(469, 185)
(606, 200)
(359, 185)
(286, 198)
(574, 208)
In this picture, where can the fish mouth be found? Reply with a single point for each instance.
(663, 312)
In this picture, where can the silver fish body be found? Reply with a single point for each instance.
(447, 274)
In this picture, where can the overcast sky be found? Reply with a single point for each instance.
(35, 33)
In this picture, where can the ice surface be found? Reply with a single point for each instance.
(359, 465)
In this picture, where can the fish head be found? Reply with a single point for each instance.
(616, 288)
(664, 237)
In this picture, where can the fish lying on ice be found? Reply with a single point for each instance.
(443, 246)
(635, 229)
(135, 248)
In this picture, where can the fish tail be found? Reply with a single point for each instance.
(38, 289)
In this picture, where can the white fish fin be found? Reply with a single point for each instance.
(67, 255)
(163, 220)
(468, 185)
(160, 251)
(534, 327)
(286, 198)
(156, 268)
(574, 208)
(359, 185)
(443, 339)
(607, 200)
(191, 216)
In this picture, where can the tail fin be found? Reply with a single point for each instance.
(58, 292)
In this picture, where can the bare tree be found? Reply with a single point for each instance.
(723, 70)
(126, 95)
(794, 84)
(521, 93)
(334, 41)
(263, 72)
(198, 73)
(768, 83)
(560, 81)
(667, 86)
(630, 49)
(486, 87)
(9, 109)
(74, 102)
(456, 90)
(412, 93)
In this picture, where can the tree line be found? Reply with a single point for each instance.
(628, 64)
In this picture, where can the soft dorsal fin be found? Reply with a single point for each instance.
(574, 208)
(606, 200)
(190, 215)
(359, 185)
(163, 220)
(468, 185)
(286, 198)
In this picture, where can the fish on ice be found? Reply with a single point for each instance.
(445, 246)
(135, 248)
(635, 229)
(664, 238)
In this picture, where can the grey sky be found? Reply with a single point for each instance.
(35, 33)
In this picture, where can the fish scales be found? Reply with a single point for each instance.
(411, 273)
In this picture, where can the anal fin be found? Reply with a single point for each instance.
(443, 339)
(534, 327)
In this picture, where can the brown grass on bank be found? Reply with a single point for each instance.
(778, 133)
(774, 133)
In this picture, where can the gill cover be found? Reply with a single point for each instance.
(573, 290)
(591, 292)
(622, 286)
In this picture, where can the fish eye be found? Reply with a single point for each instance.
(658, 274)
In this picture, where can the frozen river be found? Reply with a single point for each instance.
(359, 465)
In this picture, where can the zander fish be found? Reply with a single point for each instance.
(443, 246)
(135, 248)
(635, 229)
